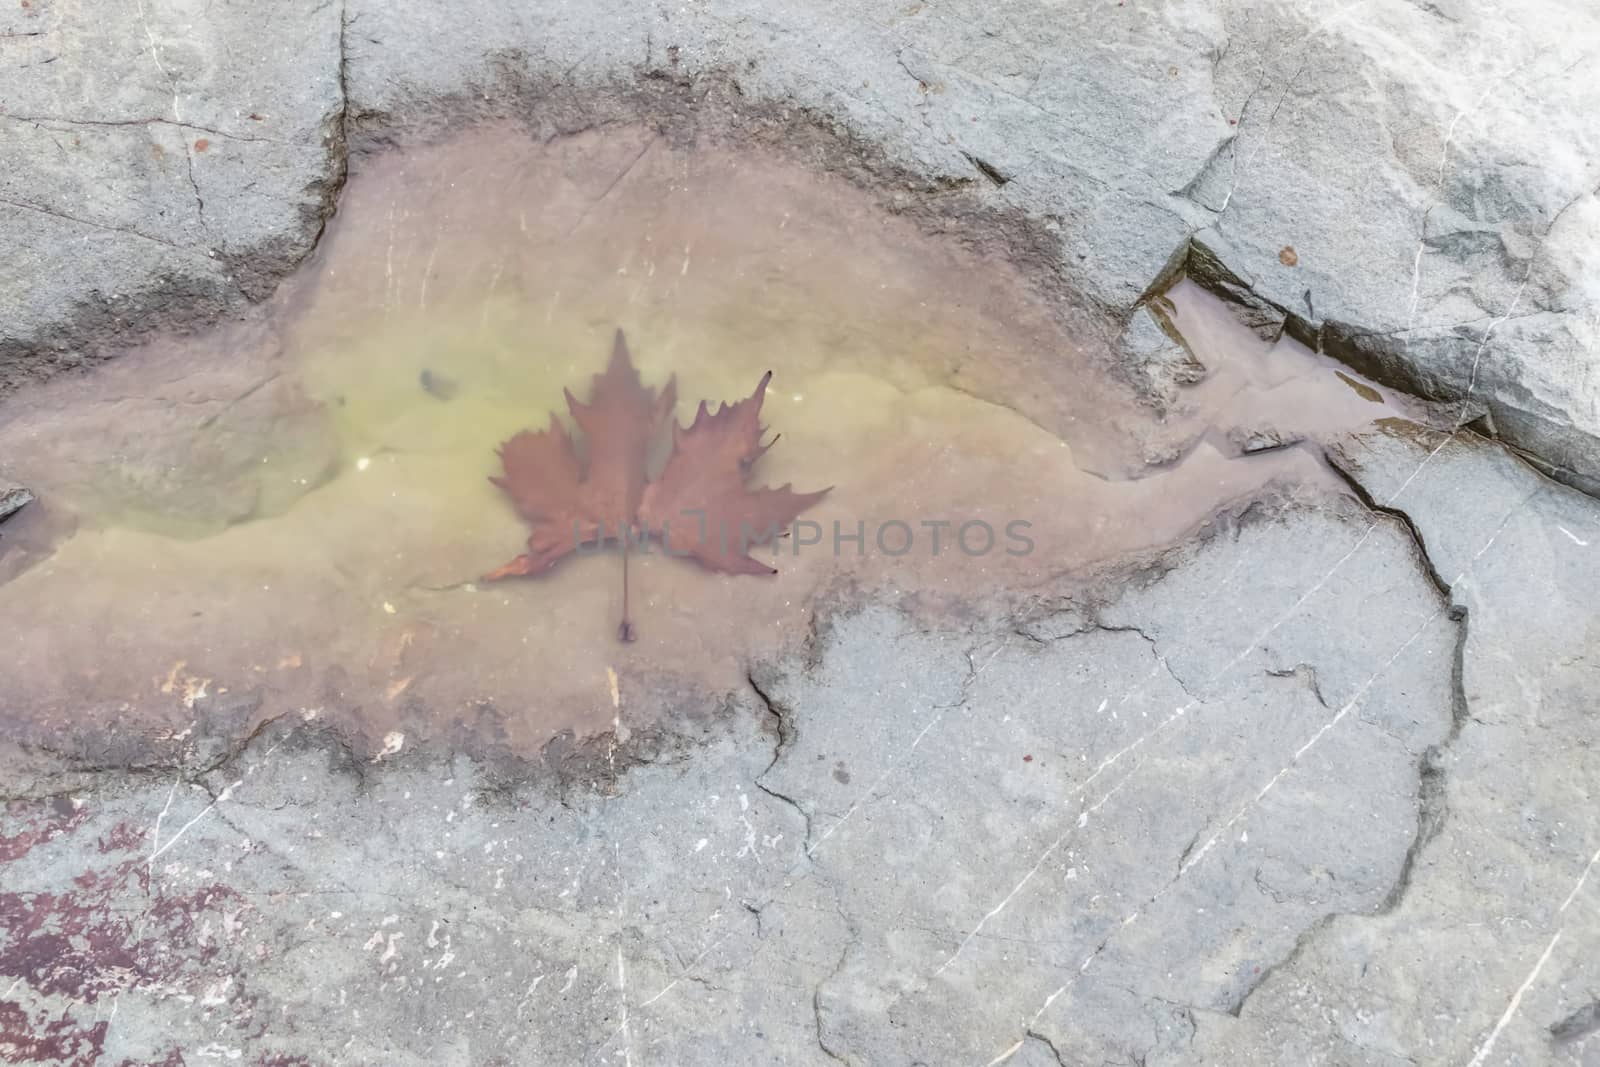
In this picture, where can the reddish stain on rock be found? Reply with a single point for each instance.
(86, 944)
(201, 145)
(62, 1040)
(109, 930)
(124, 837)
(39, 822)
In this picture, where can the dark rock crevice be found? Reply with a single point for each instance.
(1413, 533)
(338, 135)
(1433, 803)
(783, 723)
(1306, 672)
(1050, 1046)
(988, 170)
(1301, 943)
(817, 1007)
(1373, 353)
(1432, 786)
(1155, 651)
(259, 271)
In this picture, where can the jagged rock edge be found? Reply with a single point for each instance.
(1343, 342)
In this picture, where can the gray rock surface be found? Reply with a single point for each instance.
(1315, 787)
(161, 163)
(1428, 199)
(914, 844)
(1500, 891)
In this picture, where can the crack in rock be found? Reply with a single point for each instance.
(1419, 545)
(816, 999)
(1433, 806)
(783, 720)
(1432, 800)
(1050, 1046)
(70, 120)
(1307, 673)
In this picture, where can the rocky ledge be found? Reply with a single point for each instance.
(1315, 785)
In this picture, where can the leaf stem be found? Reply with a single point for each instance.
(625, 629)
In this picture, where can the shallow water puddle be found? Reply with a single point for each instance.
(1261, 393)
(291, 515)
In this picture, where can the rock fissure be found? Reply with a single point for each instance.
(1050, 1046)
(1399, 515)
(1238, 172)
(69, 120)
(1307, 673)
(194, 185)
(817, 1008)
(1433, 802)
(783, 723)
(92, 224)
(1305, 938)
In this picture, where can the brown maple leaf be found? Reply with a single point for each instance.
(571, 501)
(699, 507)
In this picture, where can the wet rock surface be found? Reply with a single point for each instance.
(294, 511)
(1315, 785)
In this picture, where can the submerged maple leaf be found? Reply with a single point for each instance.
(570, 501)
(699, 507)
